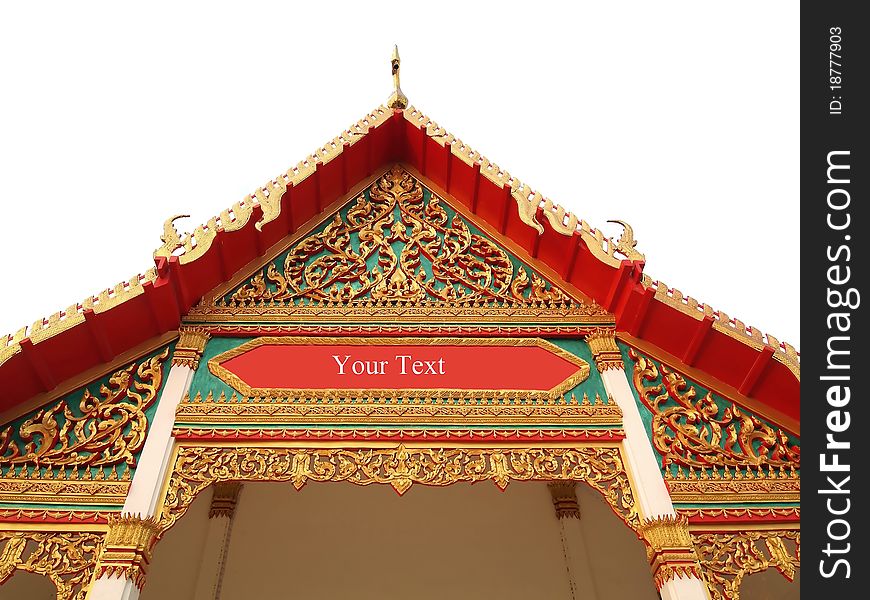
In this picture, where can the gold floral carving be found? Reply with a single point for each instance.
(726, 558)
(602, 343)
(669, 548)
(79, 492)
(128, 547)
(66, 558)
(699, 433)
(409, 410)
(197, 467)
(459, 434)
(393, 247)
(215, 365)
(190, 346)
(726, 484)
(110, 429)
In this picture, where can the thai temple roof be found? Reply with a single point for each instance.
(136, 315)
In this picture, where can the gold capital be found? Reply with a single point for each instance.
(669, 548)
(602, 343)
(191, 345)
(129, 544)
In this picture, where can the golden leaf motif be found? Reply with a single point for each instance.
(198, 467)
(395, 247)
(700, 433)
(726, 558)
(66, 558)
(109, 430)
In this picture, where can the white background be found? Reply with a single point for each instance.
(678, 117)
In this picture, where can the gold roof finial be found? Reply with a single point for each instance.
(397, 99)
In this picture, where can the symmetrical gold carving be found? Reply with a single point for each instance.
(224, 498)
(726, 484)
(669, 548)
(700, 433)
(128, 547)
(775, 513)
(357, 434)
(413, 409)
(79, 492)
(190, 346)
(109, 430)
(408, 251)
(726, 558)
(734, 328)
(564, 495)
(197, 467)
(602, 343)
(215, 365)
(66, 558)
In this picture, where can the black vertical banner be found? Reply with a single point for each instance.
(834, 351)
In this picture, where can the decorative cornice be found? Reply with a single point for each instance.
(128, 547)
(190, 346)
(732, 327)
(564, 495)
(53, 491)
(602, 343)
(669, 548)
(415, 407)
(224, 499)
(734, 485)
(529, 202)
(197, 467)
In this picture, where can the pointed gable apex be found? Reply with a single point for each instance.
(36, 360)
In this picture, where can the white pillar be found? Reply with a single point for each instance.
(580, 577)
(147, 483)
(654, 501)
(217, 541)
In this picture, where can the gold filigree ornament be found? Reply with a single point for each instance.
(128, 548)
(701, 433)
(669, 548)
(726, 558)
(393, 249)
(109, 430)
(190, 346)
(65, 558)
(602, 343)
(197, 467)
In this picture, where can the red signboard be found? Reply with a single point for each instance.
(282, 366)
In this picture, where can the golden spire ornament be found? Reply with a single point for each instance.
(397, 99)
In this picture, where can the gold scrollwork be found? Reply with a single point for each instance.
(197, 467)
(726, 558)
(66, 558)
(109, 430)
(395, 247)
(699, 433)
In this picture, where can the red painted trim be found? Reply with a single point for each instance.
(38, 365)
(518, 437)
(98, 334)
(705, 325)
(762, 361)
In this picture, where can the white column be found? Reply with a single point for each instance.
(652, 493)
(580, 577)
(148, 479)
(217, 541)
